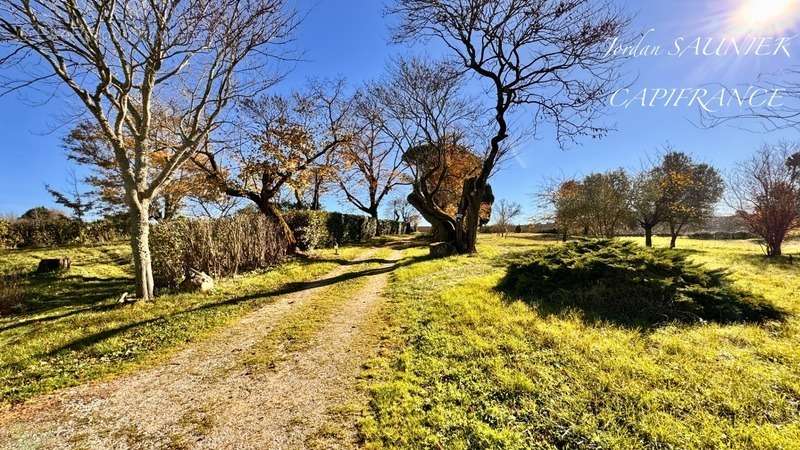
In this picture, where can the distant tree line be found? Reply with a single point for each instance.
(678, 192)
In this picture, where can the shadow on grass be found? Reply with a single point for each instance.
(622, 283)
(44, 293)
(290, 288)
(785, 262)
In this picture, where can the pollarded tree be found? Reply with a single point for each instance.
(372, 163)
(279, 141)
(122, 58)
(506, 213)
(766, 195)
(690, 192)
(548, 55)
(430, 120)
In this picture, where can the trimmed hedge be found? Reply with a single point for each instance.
(39, 232)
(219, 247)
(721, 235)
(54, 231)
(321, 229)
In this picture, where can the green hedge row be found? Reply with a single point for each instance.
(25, 233)
(320, 229)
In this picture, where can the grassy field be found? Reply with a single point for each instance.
(72, 330)
(465, 365)
(463, 362)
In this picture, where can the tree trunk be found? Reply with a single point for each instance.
(564, 236)
(467, 230)
(272, 211)
(140, 245)
(774, 249)
(674, 231)
(442, 227)
(648, 235)
(317, 193)
(373, 214)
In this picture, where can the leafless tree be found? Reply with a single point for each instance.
(548, 55)
(778, 98)
(506, 212)
(122, 57)
(765, 194)
(372, 164)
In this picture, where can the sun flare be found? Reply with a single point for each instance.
(767, 14)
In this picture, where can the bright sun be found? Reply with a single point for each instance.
(769, 14)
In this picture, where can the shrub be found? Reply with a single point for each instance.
(320, 229)
(219, 247)
(11, 295)
(625, 283)
(310, 228)
(44, 231)
(103, 231)
(7, 239)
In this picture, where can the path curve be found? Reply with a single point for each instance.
(203, 398)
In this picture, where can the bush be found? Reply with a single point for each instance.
(321, 229)
(219, 247)
(7, 239)
(43, 231)
(722, 235)
(103, 231)
(625, 283)
(11, 295)
(310, 228)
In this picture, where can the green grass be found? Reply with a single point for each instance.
(466, 366)
(73, 330)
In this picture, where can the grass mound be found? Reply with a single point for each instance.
(622, 282)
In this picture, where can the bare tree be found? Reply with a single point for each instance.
(549, 55)
(278, 142)
(191, 57)
(506, 213)
(372, 164)
(403, 212)
(765, 193)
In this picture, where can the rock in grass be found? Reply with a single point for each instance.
(197, 281)
(54, 265)
(442, 249)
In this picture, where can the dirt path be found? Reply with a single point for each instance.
(204, 398)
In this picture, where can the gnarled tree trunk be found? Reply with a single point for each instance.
(443, 227)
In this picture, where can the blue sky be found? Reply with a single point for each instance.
(349, 38)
